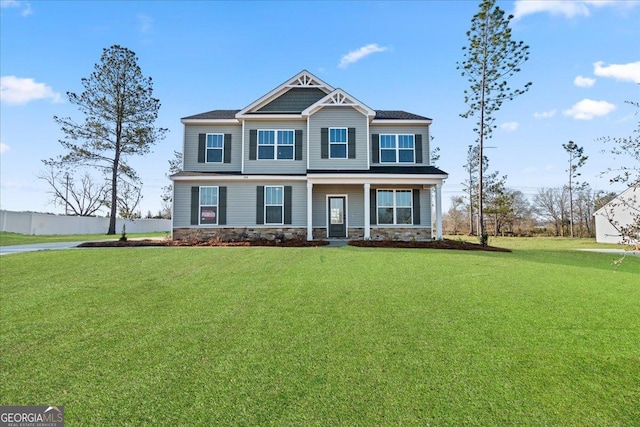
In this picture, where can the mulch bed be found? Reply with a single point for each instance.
(434, 244)
(299, 243)
(293, 243)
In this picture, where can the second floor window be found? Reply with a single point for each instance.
(276, 144)
(397, 149)
(338, 143)
(215, 147)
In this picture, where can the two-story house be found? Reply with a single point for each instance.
(307, 160)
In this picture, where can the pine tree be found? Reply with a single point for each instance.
(119, 114)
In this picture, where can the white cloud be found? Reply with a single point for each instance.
(545, 114)
(530, 169)
(356, 55)
(626, 72)
(145, 23)
(16, 91)
(568, 9)
(584, 81)
(4, 148)
(510, 126)
(587, 109)
(26, 7)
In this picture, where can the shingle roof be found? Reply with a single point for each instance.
(214, 115)
(380, 115)
(398, 115)
(399, 170)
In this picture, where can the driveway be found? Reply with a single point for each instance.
(16, 249)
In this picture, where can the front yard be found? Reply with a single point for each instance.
(322, 336)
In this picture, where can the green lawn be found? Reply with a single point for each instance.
(10, 239)
(322, 336)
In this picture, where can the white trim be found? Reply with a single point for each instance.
(438, 208)
(308, 144)
(345, 143)
(400, 122)
(309, 210)
(368, 146)
(346, 212)
(223, 177)
(339, 98)
(210, 122)
(367, 211)
(206, 141)
(275, 143)
(395, 206)
(242, 154)
(375, 179)
(217, 205)
(397, 148)
(270, 117)
(265, 204)
(302, 79)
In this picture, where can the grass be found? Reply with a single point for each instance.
(10, 239)
(322, 336)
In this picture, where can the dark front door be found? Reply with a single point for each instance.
(337, 217)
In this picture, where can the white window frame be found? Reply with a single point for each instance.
(396, 148)
(206, 148)
(200, 205)
(345, 143)
(395, 205)
(276, 144)
(274, 204)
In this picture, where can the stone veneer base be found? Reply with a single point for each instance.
(237, 234)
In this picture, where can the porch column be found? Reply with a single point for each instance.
(439, 211)
(367, 210)
(309, 211)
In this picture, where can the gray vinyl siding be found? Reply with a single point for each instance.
(355, 203)
(411, 130)
(338, 117)
(241, 202)
(295, 100)
(275, 167)
(191, 148)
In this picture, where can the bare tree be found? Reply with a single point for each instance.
(175, 166)
(551, 205)
(455, 216)
(82, 196)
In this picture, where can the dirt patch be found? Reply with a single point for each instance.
(434, 244)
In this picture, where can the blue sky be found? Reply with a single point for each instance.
(584, 64)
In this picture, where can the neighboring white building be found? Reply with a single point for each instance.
(619, 212)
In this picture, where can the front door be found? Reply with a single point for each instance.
(337, 217)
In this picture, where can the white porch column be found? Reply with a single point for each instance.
(367, 210)
(439, 211)
(309, 211)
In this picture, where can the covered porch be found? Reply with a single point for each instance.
(374, 206)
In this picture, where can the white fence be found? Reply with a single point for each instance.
(38, 223)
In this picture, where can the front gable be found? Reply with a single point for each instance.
(339, 98)
(291, 97)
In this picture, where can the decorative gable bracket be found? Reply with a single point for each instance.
(339, 98)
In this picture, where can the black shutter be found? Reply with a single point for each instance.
(227, 148)
(418, 141)
(253, 143)
(222, 205)
(375, 148)
(351, 143)
(260, 204)
(195, 205)
(298, 145)
(324, 143)
(287, 204)
(372, 200)
(201, 147)
(416, 206)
